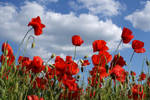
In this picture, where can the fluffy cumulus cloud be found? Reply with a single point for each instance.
(47, 1)
(103, 7)
(56, 37)
(141, 18)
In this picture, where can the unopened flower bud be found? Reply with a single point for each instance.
(15, 68)
(103, 80)
(82, 69)
(78, 76)
(53, 55)
(46, 69)
(55, 77)
(85, 56)
(33, 45)
(107, 68)
(6, 52)
(90, 82)
(118, 55)
(51, 65)
(147, 63)
(81, 61)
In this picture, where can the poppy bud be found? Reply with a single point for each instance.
(82, 69)
(81, 61)
(90, 81)
(6, 52)
(51, 65)
(85, 56)
(15, 68)
(46, 69)
(103, 80)
(118, 55)
(55, 77)
(147, 63)
(78, 76)
(53, 55)
(33, 45)
(107, 68)
(98, 74)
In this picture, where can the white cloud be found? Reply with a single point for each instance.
(46, 1)
(60, 28)
(141, 18)
(102, 7)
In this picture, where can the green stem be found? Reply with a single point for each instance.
(118, 46)
(74, 53)
(131, 59)
(27, 43)
(23, 41)
(48, 61)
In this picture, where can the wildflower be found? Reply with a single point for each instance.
(102, 58)
(37, 64)
(7, 48)
(118, 60)
(138, 46)
(126, 35)
(77, 40)
(37, 25)
(40, 83)
(133, 73)
(99, 45)
(118, 73)
(85, 63)
(142, 76)
(137, 92)
(34, 97)
(7, 54)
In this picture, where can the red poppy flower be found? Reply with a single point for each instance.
(60, 64)
(37, 64)
(77, 40)
(9, 59)
(138, 46)
(141, 50)
(85, 63)
(133, 73)
(118, 73)
(126, 35)
(37, 25)
(34, 97)
(69, 82)
(102, 58)
(142, 76)
(6, 46)
(99, 45)
(148, 81)
(137, 92)
(24, 62)
(98, 74)
(72, 68)
(118, 60)
(40, 83)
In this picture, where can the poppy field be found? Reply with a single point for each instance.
(25, 78)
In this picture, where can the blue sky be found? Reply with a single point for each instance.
(91, 19)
